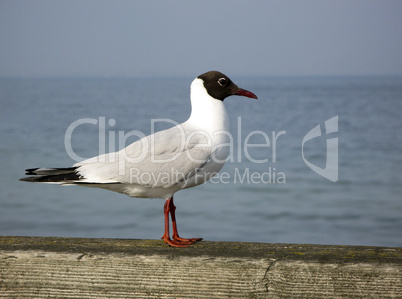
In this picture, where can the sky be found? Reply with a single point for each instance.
(117, 38)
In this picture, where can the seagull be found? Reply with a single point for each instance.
(159, 165)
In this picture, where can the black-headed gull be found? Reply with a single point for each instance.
(159, 165)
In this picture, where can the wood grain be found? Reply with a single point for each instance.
(105, 268)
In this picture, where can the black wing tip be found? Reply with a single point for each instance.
(50, 171)
(31, 171)
(49, 175)
(30, 179)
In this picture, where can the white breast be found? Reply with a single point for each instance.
(208, 119)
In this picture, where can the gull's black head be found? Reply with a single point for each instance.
(219, 86)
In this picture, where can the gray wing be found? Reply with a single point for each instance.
(163, 159)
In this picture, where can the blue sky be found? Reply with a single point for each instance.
(185, 38)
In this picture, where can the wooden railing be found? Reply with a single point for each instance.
(48, 267)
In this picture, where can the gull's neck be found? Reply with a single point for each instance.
(207, 113)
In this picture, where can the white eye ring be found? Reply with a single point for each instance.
(222, 81)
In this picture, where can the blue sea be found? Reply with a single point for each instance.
(314, 160)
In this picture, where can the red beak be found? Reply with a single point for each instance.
(245, 93)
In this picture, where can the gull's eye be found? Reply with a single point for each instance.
(222, 81)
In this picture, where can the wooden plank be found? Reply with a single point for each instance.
(104, 268)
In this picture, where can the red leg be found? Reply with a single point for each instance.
(166, 235)
(177, 241)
